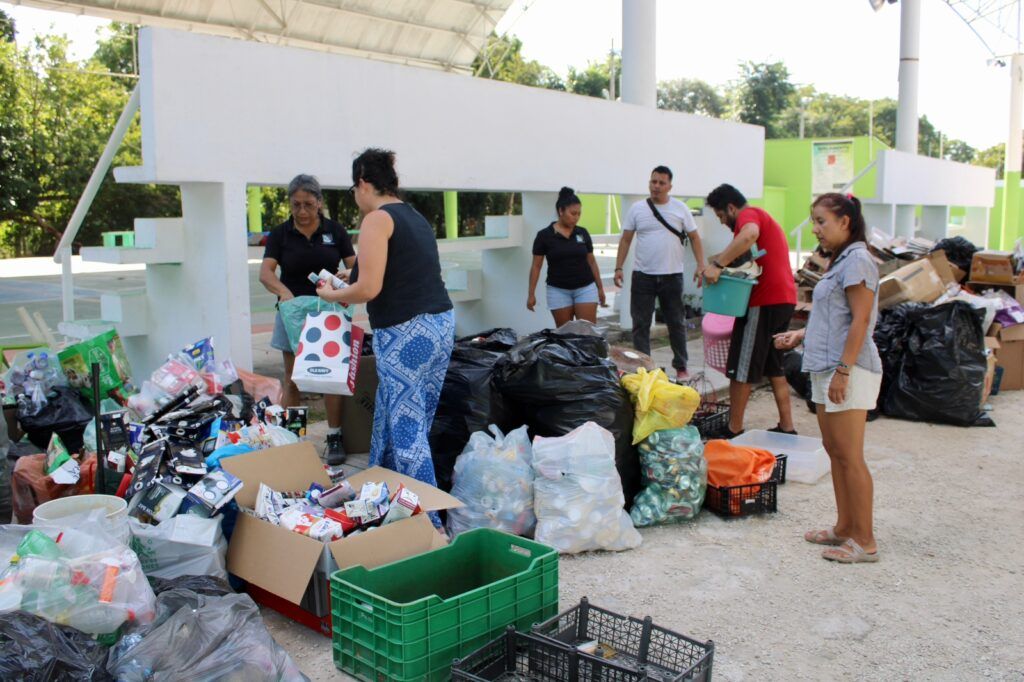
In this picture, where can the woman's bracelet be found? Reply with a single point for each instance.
(845, 374)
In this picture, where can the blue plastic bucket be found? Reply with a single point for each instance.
(729, 296)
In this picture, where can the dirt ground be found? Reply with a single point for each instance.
(944, 602)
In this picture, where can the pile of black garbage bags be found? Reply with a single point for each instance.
(551, 381)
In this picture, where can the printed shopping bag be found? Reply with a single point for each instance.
(327, 357)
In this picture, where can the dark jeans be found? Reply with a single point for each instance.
(668, 290)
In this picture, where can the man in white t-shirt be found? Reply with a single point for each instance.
(658, 267)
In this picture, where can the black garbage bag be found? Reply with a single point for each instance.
(208, 638)
(467, 402)
(940, 375)
(891, 330)
(958, 250)
(798, 379)
(200, 584)
(64, 414)
(557, 382)
(34, 649)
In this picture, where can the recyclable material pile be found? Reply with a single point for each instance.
(494, 480)
(78, 584)
(578, 494)
(77, 575)
(676, 477)
(329, 514)
(950, 322)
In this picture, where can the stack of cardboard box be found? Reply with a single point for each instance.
(998, 270)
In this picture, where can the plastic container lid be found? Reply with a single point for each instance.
(806, 461)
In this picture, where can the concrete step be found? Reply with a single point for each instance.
(128, 310)
(157, 241)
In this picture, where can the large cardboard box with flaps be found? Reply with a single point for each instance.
(283, 562)
(1010, 355)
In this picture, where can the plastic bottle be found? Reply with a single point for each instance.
(10, 596)
(97, 618)
(38, 544)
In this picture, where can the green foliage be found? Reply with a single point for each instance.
(693, 96)
(762, 94)
(116, 51)
(595, 79)
(55, 118)
(502, 59)
(993, 157)
(6, 27)
(958, 150)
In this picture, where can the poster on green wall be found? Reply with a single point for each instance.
(831, 165)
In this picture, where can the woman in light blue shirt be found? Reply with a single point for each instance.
(846, 372)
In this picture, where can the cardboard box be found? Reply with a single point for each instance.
(994, 267)
(1011, 356)
(1015, 290)
(283, 562)
(992, 344)
(915, 282)
(357, 409)
(943, 267)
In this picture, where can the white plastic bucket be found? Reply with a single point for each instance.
(116, 508)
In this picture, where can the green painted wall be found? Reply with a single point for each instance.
(595, 208)
(787, 178)
(997, 238)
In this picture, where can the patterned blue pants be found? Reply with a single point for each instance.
(412, 359)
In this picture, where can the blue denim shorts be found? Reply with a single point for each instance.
(567, 298)
(279, 339)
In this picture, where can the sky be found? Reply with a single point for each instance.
(839, 46)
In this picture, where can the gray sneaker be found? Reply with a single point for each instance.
(334, 453)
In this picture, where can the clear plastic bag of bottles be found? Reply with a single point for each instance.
(578, 494)
(493, 478)
(75, 573)
(675, 477)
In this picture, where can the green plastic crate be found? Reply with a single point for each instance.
(408, 620)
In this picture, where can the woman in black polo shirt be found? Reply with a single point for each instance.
(307, 242)
(574, 285)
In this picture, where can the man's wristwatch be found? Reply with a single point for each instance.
(717, 264)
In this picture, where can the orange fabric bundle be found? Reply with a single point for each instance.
(30, 486)
(730, 464)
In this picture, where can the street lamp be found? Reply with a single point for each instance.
(804, 101)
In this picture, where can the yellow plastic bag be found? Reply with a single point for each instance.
(658, 403)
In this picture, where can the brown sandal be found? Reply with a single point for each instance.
(824, 537)
(850, 553)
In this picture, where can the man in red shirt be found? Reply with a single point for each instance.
(752, 352)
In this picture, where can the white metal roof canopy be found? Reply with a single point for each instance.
(446, 34)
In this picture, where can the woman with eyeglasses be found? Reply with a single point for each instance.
(307, 242)
(398, 276)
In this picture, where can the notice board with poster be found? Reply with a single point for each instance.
(831, 166)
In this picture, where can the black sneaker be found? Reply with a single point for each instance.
(334, 453)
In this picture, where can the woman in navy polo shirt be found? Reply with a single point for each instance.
(574, 282)
(307, 242)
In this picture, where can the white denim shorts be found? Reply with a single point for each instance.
(861, 391)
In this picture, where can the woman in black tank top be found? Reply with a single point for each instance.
(398, 276)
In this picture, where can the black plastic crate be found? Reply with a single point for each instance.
(743, 500)
(517, 656)
(779, 472)
(638, 645)
(711, 420)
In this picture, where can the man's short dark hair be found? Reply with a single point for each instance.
(723, 195)
(664, 170)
